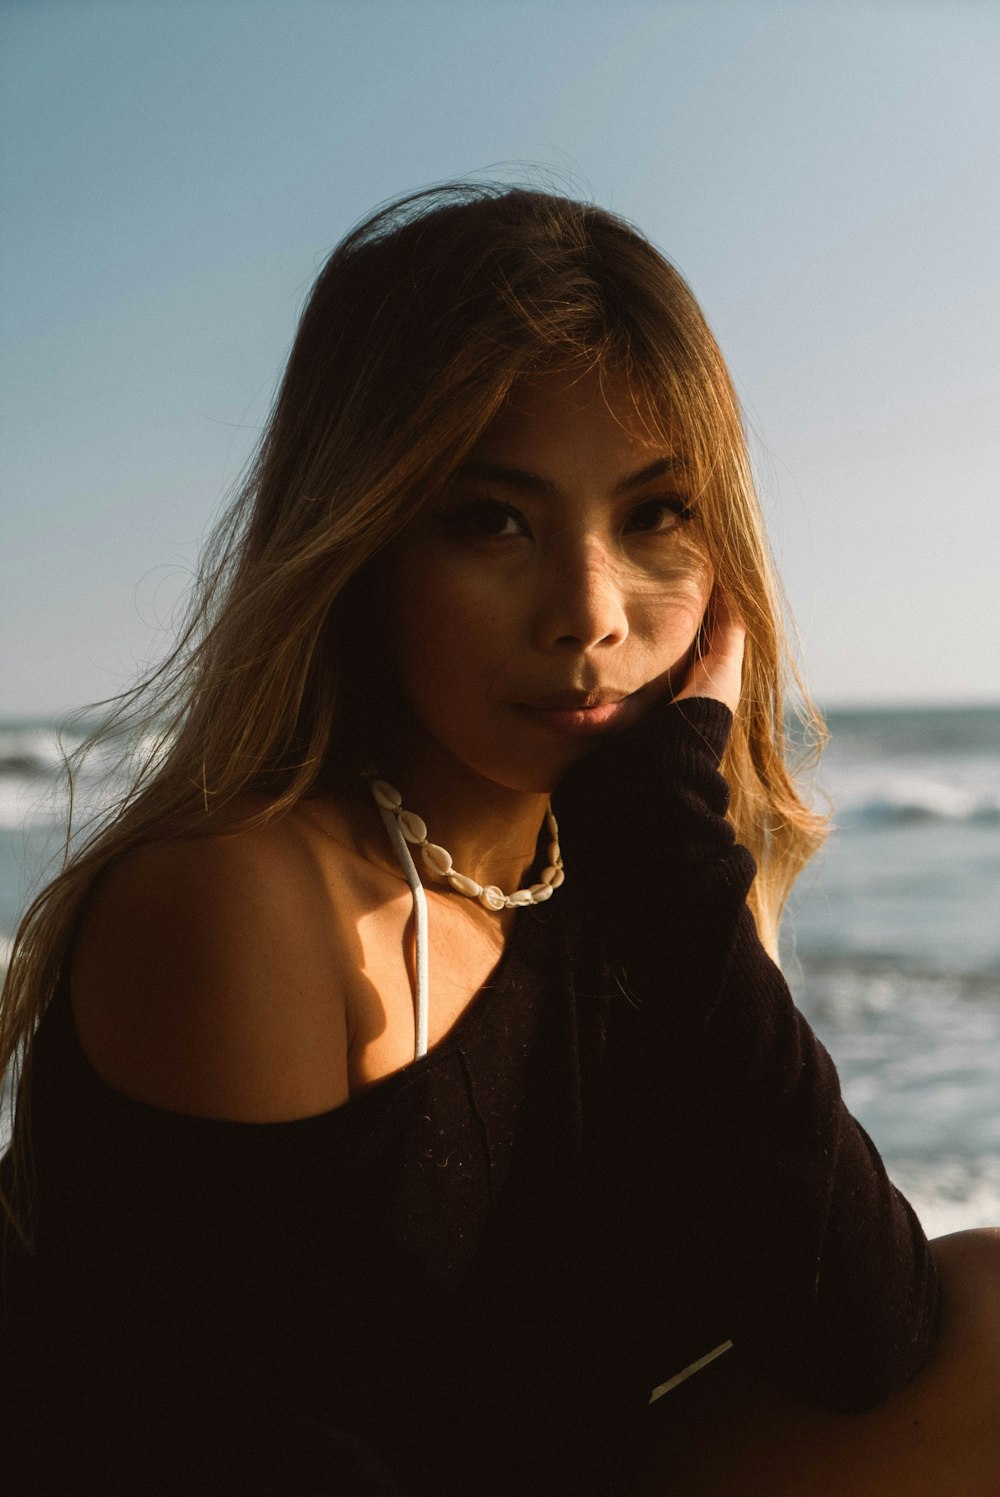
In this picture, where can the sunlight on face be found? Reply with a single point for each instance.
(553, 590)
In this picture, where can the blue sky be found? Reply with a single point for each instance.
(827, 177)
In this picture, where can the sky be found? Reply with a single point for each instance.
(826, 177)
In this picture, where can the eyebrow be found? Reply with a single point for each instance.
(521, 478)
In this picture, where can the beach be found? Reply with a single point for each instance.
(891, 943)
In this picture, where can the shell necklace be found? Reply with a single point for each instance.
(438, 861)
(404, 827)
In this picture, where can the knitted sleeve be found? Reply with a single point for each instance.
(732, 1101)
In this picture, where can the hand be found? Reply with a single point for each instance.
(717, 670)
(637, 791)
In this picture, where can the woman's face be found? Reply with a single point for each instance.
(553, 590)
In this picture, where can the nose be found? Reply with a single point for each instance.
(582, 601)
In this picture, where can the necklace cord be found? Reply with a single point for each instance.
(404, 827)
(420, 924)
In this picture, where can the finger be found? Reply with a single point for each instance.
(717, 671)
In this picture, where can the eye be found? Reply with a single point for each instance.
(485, 520)
(655, 516)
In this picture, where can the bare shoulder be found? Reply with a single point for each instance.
(207, 976)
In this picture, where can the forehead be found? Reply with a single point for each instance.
(570, 418)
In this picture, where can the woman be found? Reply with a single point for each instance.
(414, 1106)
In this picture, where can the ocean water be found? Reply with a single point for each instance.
(891, 942)
(892, 948)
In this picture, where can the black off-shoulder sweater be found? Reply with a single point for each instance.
(630, 1151)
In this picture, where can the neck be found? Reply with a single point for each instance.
(490, 830)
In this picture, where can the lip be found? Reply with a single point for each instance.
(579, 713)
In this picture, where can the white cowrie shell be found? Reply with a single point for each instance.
(386, 795)
(439, 862)
(412, 827)
(438, 859)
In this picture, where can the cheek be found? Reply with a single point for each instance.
(448, 635)
(678, 601)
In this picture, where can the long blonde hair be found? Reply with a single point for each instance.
(418, 325)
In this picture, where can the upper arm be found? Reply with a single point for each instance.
(207, 977)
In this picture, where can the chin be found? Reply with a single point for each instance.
(527, 782)
(538, 779)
